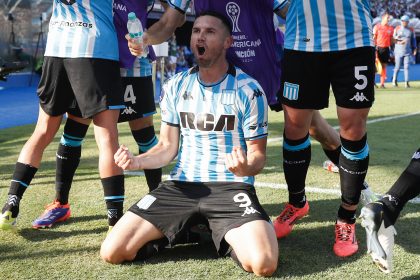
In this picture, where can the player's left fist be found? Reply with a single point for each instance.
(236, 162)
(125, 159)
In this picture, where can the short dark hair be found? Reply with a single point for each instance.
(220, 16)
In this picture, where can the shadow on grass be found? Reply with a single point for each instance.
(16, 253)
(34, 235)
(79, 219)
(181, 252)
(414, 277)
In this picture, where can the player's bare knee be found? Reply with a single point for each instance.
(265, 269)
(43, 136)
(112, 254)
(261, 264)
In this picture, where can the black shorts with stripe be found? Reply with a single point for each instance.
(139, 98)
(174, 207)
(80, 86)
(308, 76)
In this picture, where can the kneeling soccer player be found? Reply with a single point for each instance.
(221, 115)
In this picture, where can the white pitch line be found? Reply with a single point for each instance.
(415, 200)
(278, 139)
(336, 192)
(307, 189)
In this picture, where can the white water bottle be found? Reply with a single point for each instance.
(135, 30)
(367, 195)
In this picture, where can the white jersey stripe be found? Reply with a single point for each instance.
(324, 32)
(339, 19)
(92, 31)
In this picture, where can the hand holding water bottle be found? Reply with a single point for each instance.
(135, 36)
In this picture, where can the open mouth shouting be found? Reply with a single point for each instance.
(201, 50)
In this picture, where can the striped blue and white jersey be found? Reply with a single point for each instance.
(328, 25)
(82, 29)
(212, 120)
(141, 68)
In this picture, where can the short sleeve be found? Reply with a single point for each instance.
(167, 104)
(255, 111)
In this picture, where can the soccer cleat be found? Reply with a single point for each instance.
(151, 248)
(7, 222)
(54, 212)
(345, 240)
(283, 224)
(330, 166)
(379, 239)
(367, 195)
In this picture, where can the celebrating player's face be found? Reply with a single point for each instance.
(209, 40)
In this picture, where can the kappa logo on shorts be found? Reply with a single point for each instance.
(244, 201)
(359, 97)
(128, 111)
(146, 201)
(291, 91)
(416, 155)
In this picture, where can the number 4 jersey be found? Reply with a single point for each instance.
(213, 119)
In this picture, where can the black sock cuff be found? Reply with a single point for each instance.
(75, 129)
(295, 142)
(24, 173)
(69, 152)
(113, 186)
(349, 216)
(144, 135)
(333, 155)
(354, 146)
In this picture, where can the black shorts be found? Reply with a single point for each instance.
(383, 54)
(80, 86)
(307, 77)
(174, 207)
(139, 98)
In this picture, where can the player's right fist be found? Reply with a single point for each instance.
(125, 159)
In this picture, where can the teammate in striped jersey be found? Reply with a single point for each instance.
(139, 109)
(327, 43)
(80, 73)
(218, 115)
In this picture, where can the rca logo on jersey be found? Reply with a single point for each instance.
(207, 122)
(359, 97)
(67, 2)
